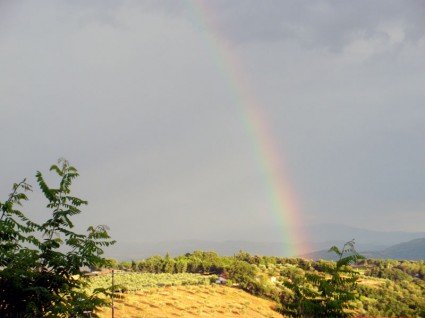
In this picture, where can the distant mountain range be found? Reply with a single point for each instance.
(382, 244)
(325, 235)
(411, 250)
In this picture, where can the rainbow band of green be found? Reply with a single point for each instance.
(281, 197)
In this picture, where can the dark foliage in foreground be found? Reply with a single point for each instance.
(328, 293)
(41, 264)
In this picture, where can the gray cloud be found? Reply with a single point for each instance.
(332, 25)
(131, 94)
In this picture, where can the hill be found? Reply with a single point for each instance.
(192, 301)
(159, 286)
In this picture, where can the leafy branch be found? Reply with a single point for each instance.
(326, 294)
(41, 265)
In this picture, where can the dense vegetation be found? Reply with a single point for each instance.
(386, 288)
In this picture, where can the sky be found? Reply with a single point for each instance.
(135, 94)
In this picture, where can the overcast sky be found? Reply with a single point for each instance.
(131, 94)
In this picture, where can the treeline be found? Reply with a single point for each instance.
(198, 262)
(202, 262)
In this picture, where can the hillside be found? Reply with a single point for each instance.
(192, 301)
(159, 286)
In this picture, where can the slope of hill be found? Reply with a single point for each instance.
(192, 301)
(387, 288)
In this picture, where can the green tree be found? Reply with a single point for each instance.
(329, 293)
(41, 265)
(181, 265)
(168, 264)
(242, 273)
(112, 263)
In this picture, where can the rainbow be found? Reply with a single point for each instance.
(283, 203)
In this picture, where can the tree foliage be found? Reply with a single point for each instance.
(41, 264)
(328, 293)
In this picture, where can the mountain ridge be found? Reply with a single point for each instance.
(410, 250)
(333, 234)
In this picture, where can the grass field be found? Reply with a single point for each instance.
(191, 301)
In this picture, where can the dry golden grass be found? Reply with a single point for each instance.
(191, 301)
